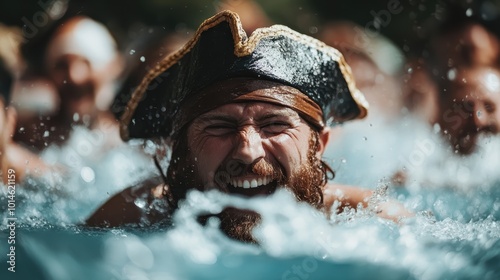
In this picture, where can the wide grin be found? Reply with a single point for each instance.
(250, 184)
(251, 187)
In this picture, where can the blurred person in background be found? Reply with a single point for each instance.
(455, 86)
(82, 62)
(12, 155)
(72, 154)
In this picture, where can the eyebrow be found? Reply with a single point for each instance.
(277, 115)
(231, 119)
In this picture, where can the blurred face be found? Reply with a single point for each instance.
(76, 82)
(249, 149)
(82, 61)
(471, 107)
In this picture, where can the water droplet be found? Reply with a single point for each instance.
(87, 174)
(478, 113)
(343, 160)
(132, 52)
(76, 117)
(452, 74)
(21, 129)
(365, 138)
(142, 59)
(64, 82)
(313, 30)
(468, 12)
(46, 133)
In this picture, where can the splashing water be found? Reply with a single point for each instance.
(88, 174)
(295, 241)
(455, 234)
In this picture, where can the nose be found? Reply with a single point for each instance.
(78, 71)
(249, 147)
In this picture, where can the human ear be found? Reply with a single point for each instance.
(324, 138)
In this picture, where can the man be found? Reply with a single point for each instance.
(82, 61)
(455, 85)
(246, 116)
(470, 107)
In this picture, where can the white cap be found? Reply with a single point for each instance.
(88, 39)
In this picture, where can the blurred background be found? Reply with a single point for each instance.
(407, 27)
(63, 61)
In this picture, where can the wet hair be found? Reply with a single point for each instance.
(177, 183)
(327, 173)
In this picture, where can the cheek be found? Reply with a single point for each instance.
(209, 155)
(289, 151)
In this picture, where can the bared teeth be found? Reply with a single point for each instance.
(246, 184)
(250, 184)
(253, 184)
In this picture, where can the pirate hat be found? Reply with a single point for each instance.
(221, 50)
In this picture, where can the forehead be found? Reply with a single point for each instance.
(250, 110)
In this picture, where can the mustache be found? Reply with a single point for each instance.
(263, 167)
(266, 168)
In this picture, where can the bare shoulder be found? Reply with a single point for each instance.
(346, 195)
(138, 205)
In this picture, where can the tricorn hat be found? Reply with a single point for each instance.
(220, 50)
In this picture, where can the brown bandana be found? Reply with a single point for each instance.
(248, 90)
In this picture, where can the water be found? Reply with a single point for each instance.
(455, 234)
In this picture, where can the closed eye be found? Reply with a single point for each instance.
(489, 107)
(275, 127)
